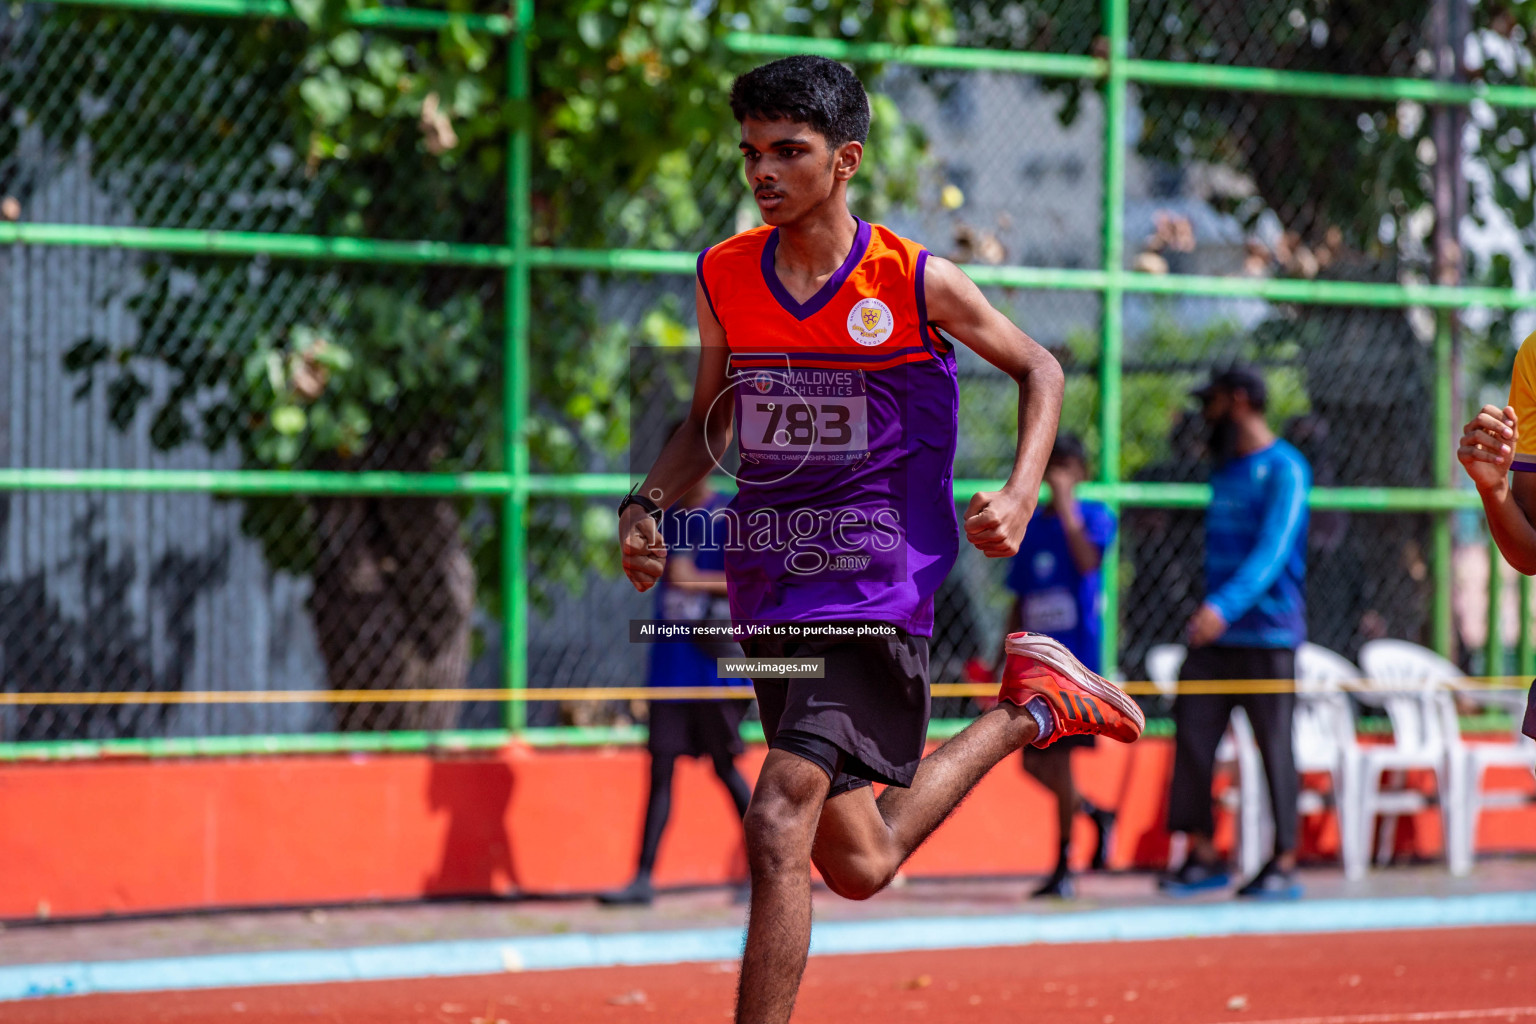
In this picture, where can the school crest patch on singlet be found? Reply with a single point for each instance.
(870, 322)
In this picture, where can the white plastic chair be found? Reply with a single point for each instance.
(1473, 761)
(1413, 684)
(1323, 738)
(1324, 730)
(1319, 670)
(1255, 832)
(1163, 664)
(1326, 740)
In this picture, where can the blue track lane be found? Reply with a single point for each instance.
(889, 935)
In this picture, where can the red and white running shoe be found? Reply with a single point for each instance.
(1081, 701)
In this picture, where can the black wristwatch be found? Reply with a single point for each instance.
(652, 509)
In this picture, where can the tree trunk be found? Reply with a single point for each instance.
(394, 591)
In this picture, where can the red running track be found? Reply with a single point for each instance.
(1408, 977)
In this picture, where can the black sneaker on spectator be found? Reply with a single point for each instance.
(1059, 885)
(1272, 883)
(636, 894)
(1194, 877)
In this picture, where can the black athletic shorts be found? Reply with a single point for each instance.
(696, 728)
(1529, 726)
(872, 703)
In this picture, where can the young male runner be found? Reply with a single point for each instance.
(819, 339)
(1494, 442)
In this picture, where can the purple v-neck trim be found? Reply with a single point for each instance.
(814, 304)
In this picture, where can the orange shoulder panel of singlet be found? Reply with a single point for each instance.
(902, 248)
(737, 254)
(897, 269)
(728, 267)
(889, 269)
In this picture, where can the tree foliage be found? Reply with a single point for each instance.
(391, 134)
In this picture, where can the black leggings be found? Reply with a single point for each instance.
(658, 807)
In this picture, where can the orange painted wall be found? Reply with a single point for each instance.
(119, 836)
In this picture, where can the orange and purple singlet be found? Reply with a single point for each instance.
(846, 412)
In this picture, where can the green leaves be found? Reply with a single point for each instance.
(424, 114)
(639, 143)
(661, 327)
(346, 48)
(395, 134)
(289, 420)
(328, 97)
(311, 12)
(124, 395)
(388, 368)
(385, 61)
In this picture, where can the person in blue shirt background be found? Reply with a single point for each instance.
(1058, 590)
(1251, 623)
(692, 589)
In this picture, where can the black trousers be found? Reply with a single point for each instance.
(1200, 720)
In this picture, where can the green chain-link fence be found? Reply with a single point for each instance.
(316, 329)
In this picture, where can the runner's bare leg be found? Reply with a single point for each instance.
(858, 844)
(861, 842)
(780, 826)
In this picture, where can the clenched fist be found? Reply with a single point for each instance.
(1488, 446)
(643, 550)
(995, 522)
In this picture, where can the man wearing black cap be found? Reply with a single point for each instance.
(1249, 626)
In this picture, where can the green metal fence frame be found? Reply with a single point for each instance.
(1114, 74)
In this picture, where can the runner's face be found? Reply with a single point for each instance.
(790, 168)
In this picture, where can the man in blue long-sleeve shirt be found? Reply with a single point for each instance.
(1252, 621)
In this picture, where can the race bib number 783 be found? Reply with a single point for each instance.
(804, 416)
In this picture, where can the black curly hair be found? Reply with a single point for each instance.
(809, 90)
(1068, 446)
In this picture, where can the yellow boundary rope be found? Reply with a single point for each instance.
(593, 693)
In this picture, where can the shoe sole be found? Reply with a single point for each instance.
(1051, 653)
(1293, 893)
(1066, 894)
(1191, 888)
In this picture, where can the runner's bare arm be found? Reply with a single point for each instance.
(1511, 512)
(995, 520)
(685, 459)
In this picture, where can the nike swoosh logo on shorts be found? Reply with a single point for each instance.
(812, 702)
